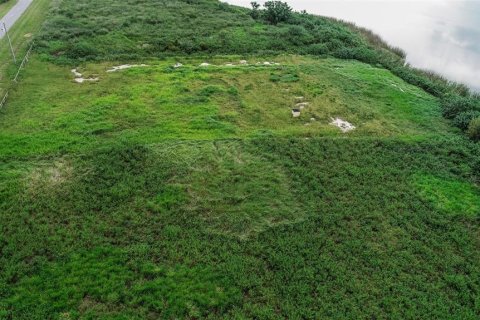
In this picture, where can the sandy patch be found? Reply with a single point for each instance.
(126, 66)
(345, 126)
(50, 175)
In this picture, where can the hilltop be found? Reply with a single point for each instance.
(179, 159)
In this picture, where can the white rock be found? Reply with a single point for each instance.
(302, 105)
(126, 66)
(204, 64)
(296, 113)
(345, 126)
(266, 63)
(76, 73)
(312, 119)
(243, 62)
(178, 65)
(229, 65)
(82, 80)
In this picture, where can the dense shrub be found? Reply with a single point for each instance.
(453, 105)
(463, 119)
(277, 11)
(474, 129)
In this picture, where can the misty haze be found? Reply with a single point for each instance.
(442, 35)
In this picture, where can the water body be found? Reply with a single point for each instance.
(439, 35)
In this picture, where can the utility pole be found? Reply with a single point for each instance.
(9, 42)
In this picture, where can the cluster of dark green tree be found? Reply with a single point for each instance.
(275, 11)
(82, 30)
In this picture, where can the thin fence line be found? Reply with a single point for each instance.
(4, 100)
(24, 61)
(22, 65)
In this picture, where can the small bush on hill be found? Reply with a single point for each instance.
(453, 105)
(463, 119)
(474, 129)
(277, 11)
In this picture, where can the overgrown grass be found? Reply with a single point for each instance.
(192, 192)
(204, 224)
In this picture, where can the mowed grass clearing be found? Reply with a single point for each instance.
(50, 112)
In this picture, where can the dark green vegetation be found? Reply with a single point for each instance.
(191, 192)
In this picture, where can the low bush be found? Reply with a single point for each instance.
(277, 11)
(453, 105)
(463, 119)
(474, 129)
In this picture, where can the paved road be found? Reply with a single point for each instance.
(14, 14)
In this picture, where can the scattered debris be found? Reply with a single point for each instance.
(296, 113)
(302, 105)
(345, 126)
(178, 65)
(80, 79)
(126, 66)
(205, 64)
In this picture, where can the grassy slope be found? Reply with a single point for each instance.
(21, 35)
(120, 30)
(6, 6)
(192, 192)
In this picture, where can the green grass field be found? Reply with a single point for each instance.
(192, 193)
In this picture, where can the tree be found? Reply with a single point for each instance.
(277, 11)
(255, 13)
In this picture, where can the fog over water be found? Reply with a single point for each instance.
(439, 35)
